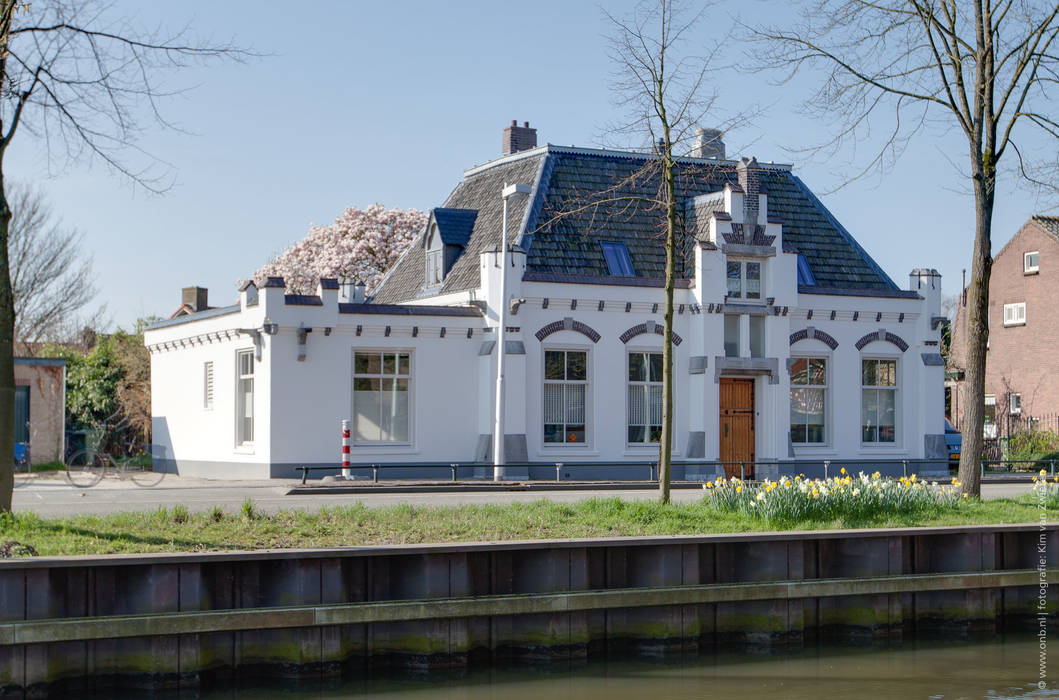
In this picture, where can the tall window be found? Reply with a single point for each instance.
(435, 273)
(744, 280)
(207, 385)
(1015, 314)
(380, 397)
(808, 400)
(989, 427)
(565, 395)
(645, 397)
(245, 400)
(878, 401)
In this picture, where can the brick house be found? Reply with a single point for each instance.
(40, 406)
(1022, 367)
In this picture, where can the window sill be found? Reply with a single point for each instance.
(1031, 272)
(243, 449)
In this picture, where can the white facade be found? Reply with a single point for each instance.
(304, 349)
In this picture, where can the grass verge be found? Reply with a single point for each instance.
(177, 530)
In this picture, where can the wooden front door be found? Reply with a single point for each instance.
(737, 426)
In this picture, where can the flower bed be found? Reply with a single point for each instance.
(843, 497)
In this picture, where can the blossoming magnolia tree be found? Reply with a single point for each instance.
(361, 244)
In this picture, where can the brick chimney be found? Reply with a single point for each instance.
(708, 144)
(518, 138)
(750, 180)
(195, 297)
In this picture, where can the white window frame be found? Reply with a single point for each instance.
(240, 398)
(895, 389)
(826, 386)
(1014, 403)
(589, 432)
(743, 263)
(1015, 314)
(207, 385)
(1027, 268)
(410, 376)
(645, 386)
(435, 268)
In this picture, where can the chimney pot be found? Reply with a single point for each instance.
(518, 138)
(708, 144)
(195, 297)
(525, 124)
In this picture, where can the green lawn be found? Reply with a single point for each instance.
(177, 531)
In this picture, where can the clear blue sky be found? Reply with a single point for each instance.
(389, 102)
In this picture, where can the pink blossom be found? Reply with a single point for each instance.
(361, 244)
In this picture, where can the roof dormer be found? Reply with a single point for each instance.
(448, 231)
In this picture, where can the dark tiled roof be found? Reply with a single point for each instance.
(585, 197)
(455, 225)
(479, 191)
(409, 310)
(302, 300)
(1048, 223)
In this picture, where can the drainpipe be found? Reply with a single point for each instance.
(498, 423)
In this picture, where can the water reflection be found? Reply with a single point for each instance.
(1006, 668)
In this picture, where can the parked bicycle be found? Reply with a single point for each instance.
(131, 459)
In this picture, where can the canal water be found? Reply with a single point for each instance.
(996, 669)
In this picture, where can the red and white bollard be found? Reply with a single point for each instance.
(345, 450)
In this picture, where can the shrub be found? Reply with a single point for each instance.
(1032, 444)
(843, 497)
(249, 510)
(216, 514)
(180, 514)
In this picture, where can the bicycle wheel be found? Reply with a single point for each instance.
(143, 475)
(85, 469)
(139, 466)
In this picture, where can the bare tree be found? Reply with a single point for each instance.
(51, 275)
(984, 69)
(664, 95)
(86, 85)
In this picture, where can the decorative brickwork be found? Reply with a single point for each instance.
(884, 336)
(648, 327)
(568, 324)
(813, 333)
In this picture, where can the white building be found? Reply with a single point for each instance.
(793, 345)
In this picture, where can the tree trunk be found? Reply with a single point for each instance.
(977, 332)
(7, 362)
(665, 442)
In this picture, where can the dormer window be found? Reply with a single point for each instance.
(744, 280)
(446, 239)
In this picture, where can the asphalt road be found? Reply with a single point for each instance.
(51, 496)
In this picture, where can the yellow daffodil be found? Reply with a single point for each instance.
(842, 470)
(760, 496)
(738, 489)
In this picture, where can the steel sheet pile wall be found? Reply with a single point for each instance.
(184, 620)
